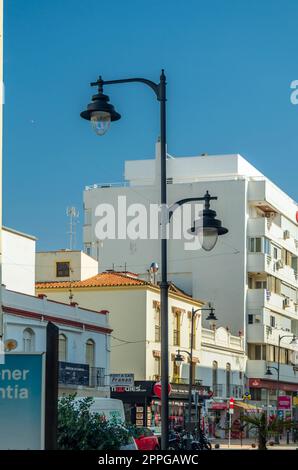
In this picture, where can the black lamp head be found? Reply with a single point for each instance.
(100, 112)
(207, 226)
(211, 315)
(100, 103)
(268, 371)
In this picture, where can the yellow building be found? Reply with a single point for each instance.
(135, 319)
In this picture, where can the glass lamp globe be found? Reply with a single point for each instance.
(208, 237)
(100, 121)
(179, 360)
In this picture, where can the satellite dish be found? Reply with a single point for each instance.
(10, 345)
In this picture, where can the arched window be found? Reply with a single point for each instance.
(214, 378)
(62, 348)
(28, 340)
(228, 380)
(90, 352)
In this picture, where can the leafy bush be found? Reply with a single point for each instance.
(81, 429)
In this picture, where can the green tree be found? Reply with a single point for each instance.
(81, 429)
(266, 428)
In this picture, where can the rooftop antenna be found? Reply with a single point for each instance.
(73, 214)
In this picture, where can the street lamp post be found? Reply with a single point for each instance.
(101, 113)
(268, 371)
(179, 361)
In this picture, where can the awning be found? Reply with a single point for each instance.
(247, 407)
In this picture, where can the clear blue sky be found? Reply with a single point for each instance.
(229, 66)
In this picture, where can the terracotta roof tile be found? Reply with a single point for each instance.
(108, 279)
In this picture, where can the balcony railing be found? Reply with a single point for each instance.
(81, 375)
(184, 381)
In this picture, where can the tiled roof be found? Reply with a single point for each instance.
(107, 279)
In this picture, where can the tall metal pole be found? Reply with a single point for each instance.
(51, 398)
(164, 272)
(190, 378)
(278, 375)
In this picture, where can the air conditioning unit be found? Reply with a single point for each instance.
(286, 234)
(257, 318)
(279, 264)
(286, 302)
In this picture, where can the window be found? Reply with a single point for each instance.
(261, 285)
(214, 376)
(272, 321)
(176, 332)
(228, 379)
(250, 319)
(157, 325)
(240, 375)
(275, 252)
(255, 245)
(157, 367)
(256, 394)
(256, 352)
(62, 269)
(90, 352)
(267, 246)
(62, 348)
(28, 340)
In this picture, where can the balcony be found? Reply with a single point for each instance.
(263, 263)
(72, 374)
(262, 298)
(257, 369)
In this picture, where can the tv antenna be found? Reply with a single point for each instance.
(73, 214)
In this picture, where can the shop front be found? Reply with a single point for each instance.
(143, 407)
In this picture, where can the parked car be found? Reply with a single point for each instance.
(146, 439)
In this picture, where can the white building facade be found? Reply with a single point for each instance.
(251, 274)
(84, 334)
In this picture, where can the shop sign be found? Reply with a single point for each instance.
(122, 380)
(295, 401)
(218, 406)
(22, 392)
(284, 402)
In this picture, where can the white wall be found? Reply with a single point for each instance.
(218, 276)
(18, 272)
(77, 337)
(82, 266)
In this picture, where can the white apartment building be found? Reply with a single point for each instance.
(251, 274)
(84, 334)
